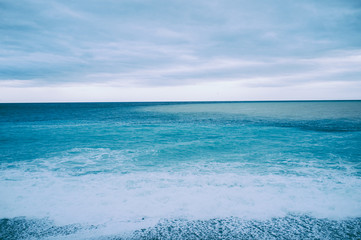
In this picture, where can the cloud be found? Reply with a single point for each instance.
(162, 43)
(266, 72)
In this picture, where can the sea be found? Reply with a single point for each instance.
(181, 170)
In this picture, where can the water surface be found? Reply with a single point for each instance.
(203, 170)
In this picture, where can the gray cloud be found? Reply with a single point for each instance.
(170, 43)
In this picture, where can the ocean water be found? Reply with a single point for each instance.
(194, 170)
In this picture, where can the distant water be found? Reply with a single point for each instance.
(232, 170)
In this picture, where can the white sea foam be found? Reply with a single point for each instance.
(111, 190)
(125, 202)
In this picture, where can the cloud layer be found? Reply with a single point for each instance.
(149, 44)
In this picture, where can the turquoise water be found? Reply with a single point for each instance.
(226, 170)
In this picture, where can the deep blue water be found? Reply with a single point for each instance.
(226, 170)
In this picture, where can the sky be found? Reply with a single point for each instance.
(199, 50)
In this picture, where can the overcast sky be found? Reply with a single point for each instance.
(120, 50)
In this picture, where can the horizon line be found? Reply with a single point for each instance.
(190, 101)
